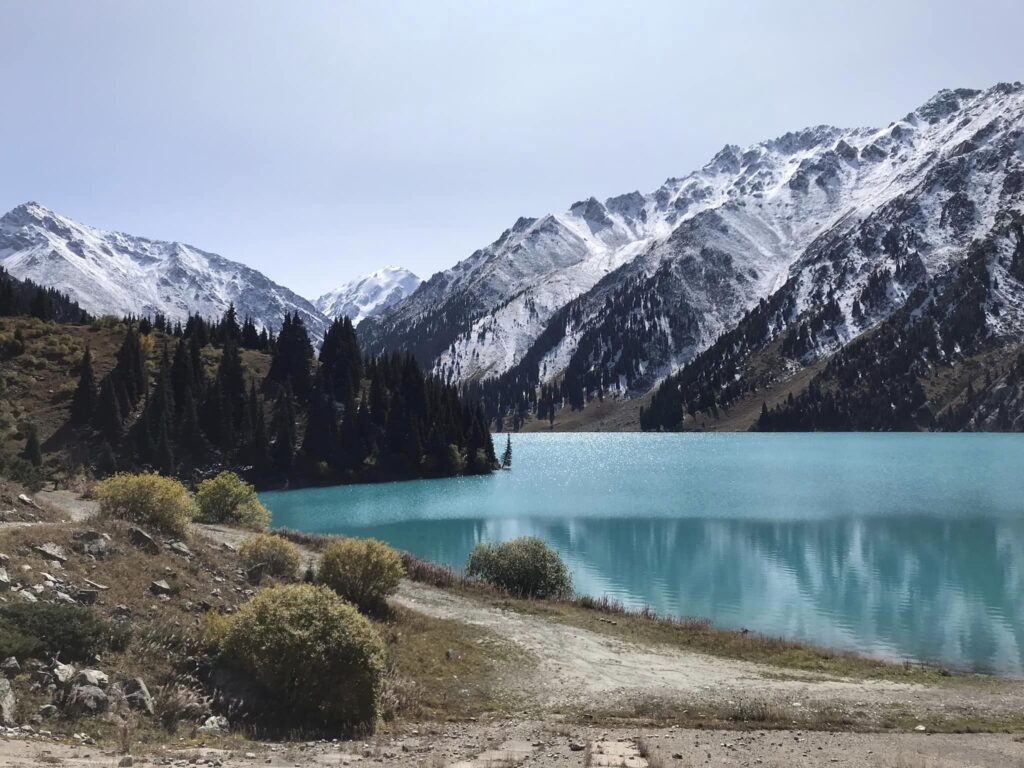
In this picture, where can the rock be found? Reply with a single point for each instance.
(26, 500)
(4, 559)
(137, 695)
(86, 700)
(5, 580)
(26, 596)
(10, 668)
(93, 544)
(8, 704)
(62, 673)
(48, 710)
(577, 746)
(91, 677)
(126, 762)
(143, 541)
(920, 728)
(121, 611)
(51, 551)
(160, 588)
(87, 596)
(214, 724)
(63, 597)
(178, 547)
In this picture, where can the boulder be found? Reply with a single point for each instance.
(26, 596)
(63, 597)
(10, 668)
(8, 704)
(91, 677)
(143, 541)
(214, 724)
(137, 695)
(5, 580)
(87, 596)
(51, 551)
(93, 544)
(86, 700)
(160, 588)
(47, 711)
(179, 548)
(62, 673)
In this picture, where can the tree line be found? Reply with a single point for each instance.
(181, 399)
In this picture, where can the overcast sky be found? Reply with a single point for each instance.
(317, 141)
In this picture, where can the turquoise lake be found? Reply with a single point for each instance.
(897, 545)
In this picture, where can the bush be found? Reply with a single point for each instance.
(148, 499)
(363, 571)
(229, 499)
(49, 629)
(526, 567)
(278, 556)
(317, 659)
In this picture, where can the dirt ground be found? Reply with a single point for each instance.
(539, 744)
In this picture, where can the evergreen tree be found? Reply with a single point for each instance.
(83, 404)
(506, 457)
(33, 451)
(283, 450)
(107, 418)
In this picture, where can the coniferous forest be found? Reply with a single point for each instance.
(181, 400)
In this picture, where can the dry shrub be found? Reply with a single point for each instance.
(227, 498)
(148, 499)
(318, 661)
(278, 557)
(362, 571)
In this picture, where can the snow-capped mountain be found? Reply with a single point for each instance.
(619, 293)
(370, 295)
(116, 273)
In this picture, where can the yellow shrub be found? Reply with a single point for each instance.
(148, 499)
(318, 661)
(363, 571)
(279, 556)
(227, 498)
(213, 629)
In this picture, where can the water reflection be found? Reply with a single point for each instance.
(857, 547)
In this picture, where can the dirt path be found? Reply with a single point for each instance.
(599, 673)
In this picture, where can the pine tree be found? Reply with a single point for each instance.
(83, 405)
(506, 457)
(107, 417)
(283, 450)
(33, 452)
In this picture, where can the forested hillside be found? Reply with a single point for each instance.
(189, 399)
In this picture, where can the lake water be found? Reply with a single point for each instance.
(899, 545)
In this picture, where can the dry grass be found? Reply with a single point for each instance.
(445, 669)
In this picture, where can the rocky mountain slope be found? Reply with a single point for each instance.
(119, 274)
(368, 296)
(832, 229)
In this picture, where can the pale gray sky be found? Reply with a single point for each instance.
(318, 140)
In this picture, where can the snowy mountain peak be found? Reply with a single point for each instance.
(370, 295)
(119, 274)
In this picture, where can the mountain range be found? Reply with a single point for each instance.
(834, 229)
(112, 273)
(792, 248)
